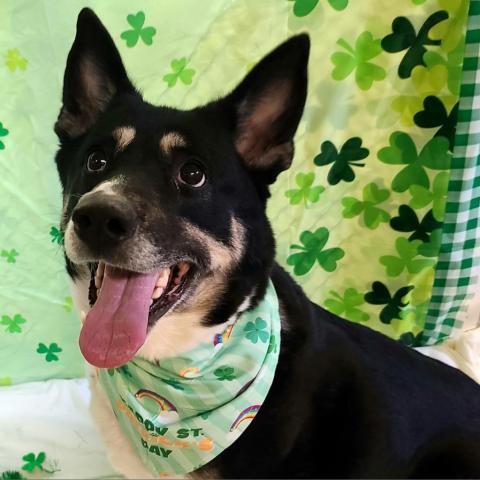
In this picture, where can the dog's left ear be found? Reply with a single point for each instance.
(267, 107)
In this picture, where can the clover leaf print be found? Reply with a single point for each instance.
(14, 60)
(306, 192)
(437, 196)
(406, 260)
(257, 330)
(179, 72)
(50, 351)
(301, 8)
(225, 373)
(272, 344)
(33, 461)
(311, 250)
(409, 339)
(407, 221)
(432, 247)
(9, 255)
(357, 59)
(402, 151)
(68, 304)
(3, 133)
(452, 65)
(347, 304)
(404, 37)
(138, 30)
(380, 295)
(372, 214)
(434, 114)
(13, 324)
(451, 32)
(57, 235)
(350, 153)
(12, 475)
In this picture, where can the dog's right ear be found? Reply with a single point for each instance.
(93, 76)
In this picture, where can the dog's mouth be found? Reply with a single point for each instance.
(124, 304)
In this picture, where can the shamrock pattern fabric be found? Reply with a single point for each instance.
(377, 193)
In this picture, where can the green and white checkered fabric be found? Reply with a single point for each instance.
(455, 301)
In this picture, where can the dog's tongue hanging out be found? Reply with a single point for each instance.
(116, 326)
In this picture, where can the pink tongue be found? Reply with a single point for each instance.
(116, 326)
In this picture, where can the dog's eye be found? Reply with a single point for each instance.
(191, 174)
(96, 161)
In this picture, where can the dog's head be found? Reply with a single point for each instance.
(164, 209)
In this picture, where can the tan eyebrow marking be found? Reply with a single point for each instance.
(123, 137)
(172, 140)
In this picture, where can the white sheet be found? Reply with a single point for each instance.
(52, 417)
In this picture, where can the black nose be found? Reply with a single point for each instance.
(101, 220)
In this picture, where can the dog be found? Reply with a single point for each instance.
(167, 242)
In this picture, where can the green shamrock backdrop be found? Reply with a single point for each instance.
(358, 218)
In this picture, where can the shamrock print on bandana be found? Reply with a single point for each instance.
(179, 72)
(257, 331)
(225, 373)
(138, 31)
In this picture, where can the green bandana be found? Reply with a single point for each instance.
(181, 414)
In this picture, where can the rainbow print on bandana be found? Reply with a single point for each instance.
(168, 413)
(189, 372)
(162, 402)
(221, 338)
(247, 414)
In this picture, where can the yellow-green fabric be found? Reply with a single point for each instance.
(358, 216)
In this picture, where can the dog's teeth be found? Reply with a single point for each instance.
(163, 278)
(83, 316)
(99, 274)
(183, 268)
(101, 269)
(157, 293)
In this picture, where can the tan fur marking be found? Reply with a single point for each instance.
(172, 140)
(123, 136)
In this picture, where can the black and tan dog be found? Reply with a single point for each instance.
(164, 217)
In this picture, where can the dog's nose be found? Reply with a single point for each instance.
(102, 219)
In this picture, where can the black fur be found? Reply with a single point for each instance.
(346, 401)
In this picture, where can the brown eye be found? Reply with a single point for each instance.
(96, 161)
(191, 174)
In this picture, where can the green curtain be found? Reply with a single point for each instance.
(359, 216)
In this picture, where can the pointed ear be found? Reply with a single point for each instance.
(93, 76)
(267, 107)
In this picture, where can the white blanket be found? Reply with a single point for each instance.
(51, 417)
